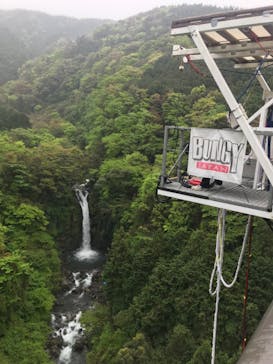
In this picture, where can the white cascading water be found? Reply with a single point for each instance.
(69, 334)
(85, 252)
(67, 326)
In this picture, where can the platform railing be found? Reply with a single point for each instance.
(175, 158)
(177, 144)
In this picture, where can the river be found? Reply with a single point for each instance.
(82, 280)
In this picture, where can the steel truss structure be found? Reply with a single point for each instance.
(246, 37)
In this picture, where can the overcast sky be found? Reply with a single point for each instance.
(115, 9)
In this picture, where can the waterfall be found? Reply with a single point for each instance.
(86, 252)
(81, 288)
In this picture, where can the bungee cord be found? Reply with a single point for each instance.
(218, 269)
(244, 320)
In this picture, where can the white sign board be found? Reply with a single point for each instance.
(217, 153)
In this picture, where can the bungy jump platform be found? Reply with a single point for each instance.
(236, 163)
(240, 197)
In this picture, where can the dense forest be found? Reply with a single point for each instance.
(95, 107)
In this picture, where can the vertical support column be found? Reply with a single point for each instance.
(179, 163)
(263, 84)
(258, 170)
(164, 156)
(263, 119)
(262, 123)
(233, 105)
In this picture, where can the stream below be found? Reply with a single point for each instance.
(81, 288)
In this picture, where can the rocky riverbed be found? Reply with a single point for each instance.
(81, 288)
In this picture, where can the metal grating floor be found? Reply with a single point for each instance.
(229, 193)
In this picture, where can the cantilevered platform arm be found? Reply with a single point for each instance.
(246, 37)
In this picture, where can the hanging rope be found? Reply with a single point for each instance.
(217, 269)
(247, 232)
(194, 67)
(251, 80)
(246, 287)
(257, 70)
(218, 258)
(255, 37)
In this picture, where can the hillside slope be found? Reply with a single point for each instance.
(26, 34)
